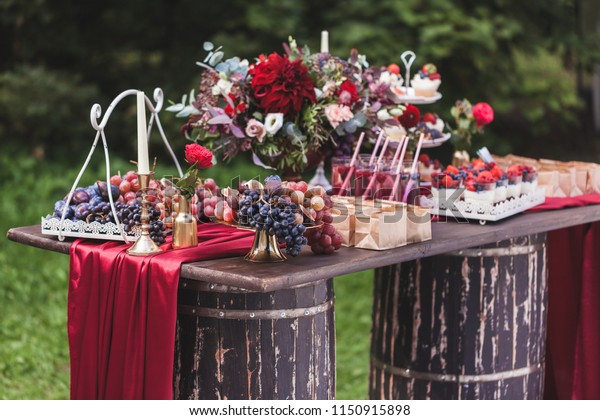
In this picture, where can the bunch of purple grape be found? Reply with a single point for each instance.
(278, 215)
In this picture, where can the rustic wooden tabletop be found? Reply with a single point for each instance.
(306, 268)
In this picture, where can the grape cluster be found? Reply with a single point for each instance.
(130, 215)
(275, 214)
(324, 239)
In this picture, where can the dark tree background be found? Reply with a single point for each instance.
(532, 60)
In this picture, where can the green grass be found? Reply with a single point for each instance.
(34, 354)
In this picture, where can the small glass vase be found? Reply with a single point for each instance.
(185, 227)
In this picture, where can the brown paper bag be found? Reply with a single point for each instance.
(593, 183)
(344, 218)
(549, 181)
(418, 225)
(380, 225)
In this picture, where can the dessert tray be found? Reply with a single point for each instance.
(482, 211)
(429, 143)
(410, 98)
(80, 229)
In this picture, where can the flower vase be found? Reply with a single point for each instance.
(185, 227)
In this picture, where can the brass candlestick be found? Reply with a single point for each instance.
(144, 245)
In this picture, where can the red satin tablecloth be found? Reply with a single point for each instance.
(573, 343)
(122, 312)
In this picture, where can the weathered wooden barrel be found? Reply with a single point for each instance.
(465, 325)
(238, 344)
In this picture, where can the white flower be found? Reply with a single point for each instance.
(223, 86)
(396, 112)
(383, 115)
(273, 122)
(329, 88)
(388, 78)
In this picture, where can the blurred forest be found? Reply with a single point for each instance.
(532, 60)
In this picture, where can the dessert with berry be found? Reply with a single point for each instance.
(501, 183)
(427, 81)
(444, 184)
(481, 188)
(529, 183)
(428, 167)
(431, 125)
(515, 177)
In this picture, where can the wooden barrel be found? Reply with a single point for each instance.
(238, 344)
(465, 325)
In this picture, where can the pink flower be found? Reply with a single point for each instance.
(255, 129)
(483, 114)
(337, 114)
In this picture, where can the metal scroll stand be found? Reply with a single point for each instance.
(95, 114)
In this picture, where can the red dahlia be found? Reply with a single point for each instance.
(281, 85)
(194, 153)
(410, 117)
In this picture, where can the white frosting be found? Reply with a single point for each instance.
(439, 125)
(514, 190)
(527, 187)
(501, 194)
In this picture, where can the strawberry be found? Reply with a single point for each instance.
(393, 68)
(446, 181)
(430, 118)
(452, 169)
(429, 68)
(435, 76)
(515, 169)
(497, 172)
(485, 177)
(424, 159)
(470, 183)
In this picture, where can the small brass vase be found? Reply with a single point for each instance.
(185, 227)
(265, 248)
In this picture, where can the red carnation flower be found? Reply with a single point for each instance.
(281, 85)
(347, 93)
(194, 153)
(483, 114)
(410, 117)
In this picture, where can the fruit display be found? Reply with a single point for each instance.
(91, 205)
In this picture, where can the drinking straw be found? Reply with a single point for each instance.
(352, 163)
(377, 167)
(374, 154)
(397, 152)
(413, 168)
(403, 145)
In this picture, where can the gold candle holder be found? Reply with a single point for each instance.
(144, 245)
(265, 248)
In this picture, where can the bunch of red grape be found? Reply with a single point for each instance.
(323, 238)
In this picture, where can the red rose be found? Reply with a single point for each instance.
(281, 85)
(410, 117)
(347, 93)
(483, 114)
(194, 153)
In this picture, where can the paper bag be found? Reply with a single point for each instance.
(380, 225)
(344, 218)
(418, 226)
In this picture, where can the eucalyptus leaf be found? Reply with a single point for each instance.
(220, 119)
(216, 58)
(208, 46)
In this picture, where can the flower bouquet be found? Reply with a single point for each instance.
(286, 108)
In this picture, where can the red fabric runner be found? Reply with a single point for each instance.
(573, 342)
(122, 312)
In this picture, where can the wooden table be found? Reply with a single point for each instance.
(276, 320)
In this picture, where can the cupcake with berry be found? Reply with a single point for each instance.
(427, 167)
(529, 182)
(515, 178)
(501, 183)
(427, 81)
(481, 188)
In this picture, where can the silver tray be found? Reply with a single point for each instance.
(473, 210)
(80, 229)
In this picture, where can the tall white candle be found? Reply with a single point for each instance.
(143, 160)
(324, 41)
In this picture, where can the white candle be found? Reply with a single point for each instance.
(143, 160)
(324, 41)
